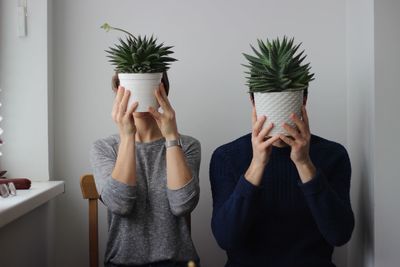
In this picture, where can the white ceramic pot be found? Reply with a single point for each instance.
(277, 107)
(142, 87)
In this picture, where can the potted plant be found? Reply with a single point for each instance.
(277, 78)
(140, 63)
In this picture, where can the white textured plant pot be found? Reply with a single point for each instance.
(277, 107)
(142, 87)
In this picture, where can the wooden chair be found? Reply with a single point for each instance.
(89, 191)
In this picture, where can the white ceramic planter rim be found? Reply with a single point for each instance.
(139, 76)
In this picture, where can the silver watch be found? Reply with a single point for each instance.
(171, 143)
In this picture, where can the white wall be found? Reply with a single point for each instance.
(207, 87)
(24, 81)
(360, 126)
(24, 76)
(387, 132)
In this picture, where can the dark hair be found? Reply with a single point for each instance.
(305, 94)
(164, 80)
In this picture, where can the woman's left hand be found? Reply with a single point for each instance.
(166, 121)
(300, 138)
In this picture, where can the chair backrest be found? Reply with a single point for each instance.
(89, 191)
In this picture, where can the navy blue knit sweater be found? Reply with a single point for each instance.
(283, 222)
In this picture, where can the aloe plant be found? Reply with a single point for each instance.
(138, 54)
(276, 67)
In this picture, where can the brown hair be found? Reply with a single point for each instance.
(115, 82)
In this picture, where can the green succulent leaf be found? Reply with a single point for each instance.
(277, 66)
(138, 54)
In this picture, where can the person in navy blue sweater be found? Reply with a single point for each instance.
(282, 201)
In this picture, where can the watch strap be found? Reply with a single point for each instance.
(171, 143)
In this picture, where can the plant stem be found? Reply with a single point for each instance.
(118, 29)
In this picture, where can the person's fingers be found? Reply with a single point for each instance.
(286, 139)
(156, 115)
(258, 125)
(270, 141)
(116, 105)
(160, 99)
(293, 132)
(305, 117)
(132, 108)
(165, 96)
(120, 94)
(253, 116)
(264, 132)
(124, 103)
(299, 123)
(164, 93)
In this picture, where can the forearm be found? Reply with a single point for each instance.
(306, 171)
(125, 166)
(178, 171)
(255, 173)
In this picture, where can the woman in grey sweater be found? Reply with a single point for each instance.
(147, 177)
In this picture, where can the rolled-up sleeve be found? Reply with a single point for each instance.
(118, 197)
(183, 200)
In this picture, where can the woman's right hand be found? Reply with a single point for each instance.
(122, 115)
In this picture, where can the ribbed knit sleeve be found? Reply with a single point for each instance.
(233, 198)
(328, 197)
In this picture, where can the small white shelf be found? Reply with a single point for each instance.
(13, 207)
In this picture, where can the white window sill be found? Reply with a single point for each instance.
(13, 207)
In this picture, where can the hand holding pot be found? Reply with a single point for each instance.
(300, 141)
(123, 116)
(261, 147)
(300, 145)
(166, 121)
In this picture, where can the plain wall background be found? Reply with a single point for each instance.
(24, 84)
(387, 183)
(207, 87)
(360, 126)
(25, 79)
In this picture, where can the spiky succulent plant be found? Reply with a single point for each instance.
(276, 67)
(138, 54)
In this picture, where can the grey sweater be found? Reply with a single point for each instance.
(146, 222)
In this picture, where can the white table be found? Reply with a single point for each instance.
(14, 207)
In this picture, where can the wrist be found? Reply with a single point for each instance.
(172, 136)
(304, 163)
(254, 173)
(127, 139)
(306, 170)
(256, 165)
